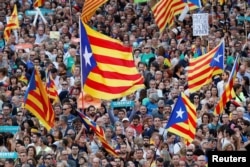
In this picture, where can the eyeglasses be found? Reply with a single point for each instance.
(189, 155)
(65, 109)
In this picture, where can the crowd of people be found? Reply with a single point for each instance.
(136, 133)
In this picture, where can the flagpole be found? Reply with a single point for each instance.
(81, 62)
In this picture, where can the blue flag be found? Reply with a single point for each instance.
(218, 59)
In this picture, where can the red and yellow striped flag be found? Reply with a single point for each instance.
(37, 101)
(108, 68)
(12, 24)
(182, 121)
(52, 90)
(23, 79)
(228, 93)
(89, 9)
(165, 10)
(91, 125)
(163, 14)
(203, 68)
(38, 3)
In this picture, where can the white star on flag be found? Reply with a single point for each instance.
(217, 58)
(87, 56)
(179, 113)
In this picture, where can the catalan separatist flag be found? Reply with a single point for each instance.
(37, 101)
(38, 3)
(182, 121)
(12, 24)
(108, 68)
(89, 9)
(196, 3)
(203, 68)
(164, 11)
(163, 14)
(228, 93)
(179, 5)
(52, 90)
(89, 124)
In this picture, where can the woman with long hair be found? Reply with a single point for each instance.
(31, 151)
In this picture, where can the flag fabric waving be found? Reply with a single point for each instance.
(23, 79)
(89, 9)
(108, 68)
(51, 89)
(38, 3)
(163, 14)
(98, 131)
(202, 69)
(196, 3)
(85, 100)
(228, 93)
(165, 10)
(12, 24)
(182, 121)
(37, 101)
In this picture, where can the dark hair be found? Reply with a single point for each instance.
(52, 137)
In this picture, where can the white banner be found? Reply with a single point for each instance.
(200, 24)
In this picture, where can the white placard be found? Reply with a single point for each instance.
(200, 24)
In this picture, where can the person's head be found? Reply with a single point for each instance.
(182, 163)
(9, 163)
(189, 155)
(159, 162)
(157, 121)
(63, 120)
(225, 75)
(23, 157)
(67, 108)
(6, 108)
(75, 149)
(121, 113)
(150, 154)
(96, 162)
(136, 120)
(104, 162)
(225, 118)
(139, 153)
(64, 155)
(47, 158)
(35, 137)
(31, 150)
(91, 110)
(201, 160)
(176, 159)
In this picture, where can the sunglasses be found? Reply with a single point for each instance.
(189, 155)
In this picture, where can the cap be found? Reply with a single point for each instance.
(125, 119)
